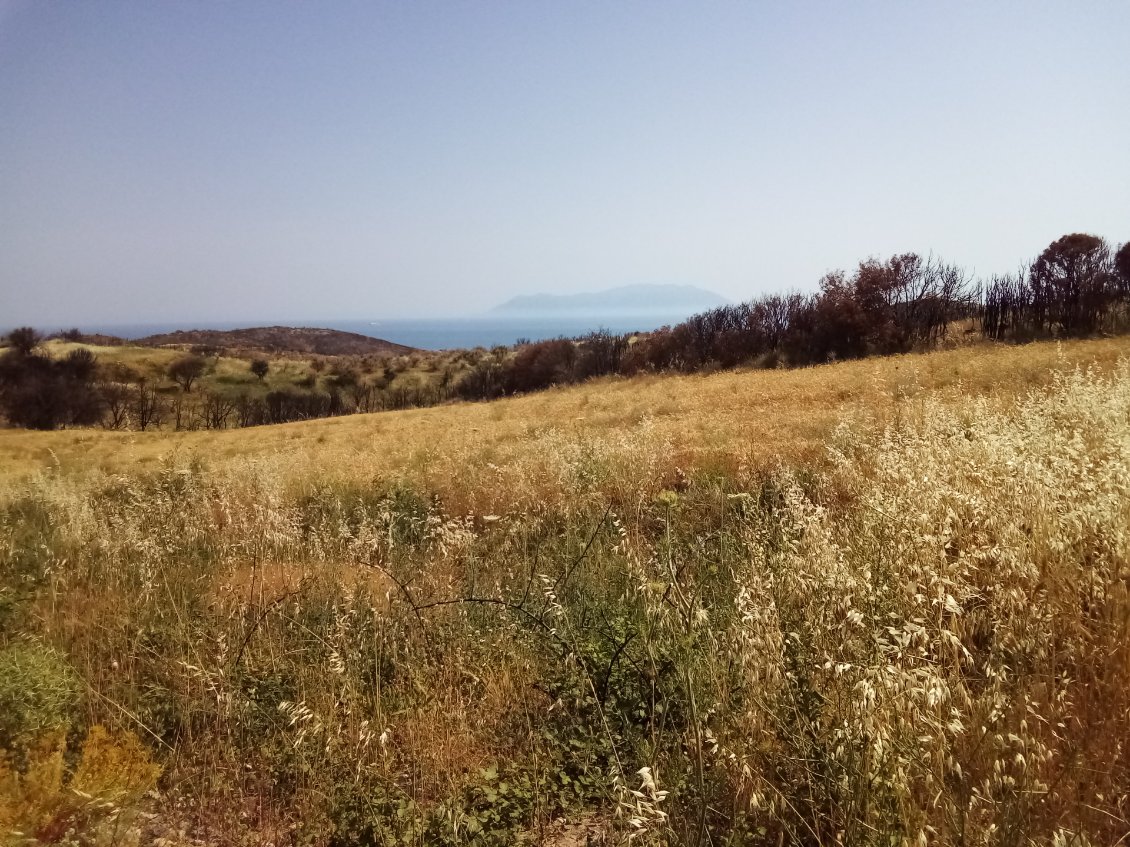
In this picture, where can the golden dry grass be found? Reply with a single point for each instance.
(148, 361)
(742, 417)
(882, 615)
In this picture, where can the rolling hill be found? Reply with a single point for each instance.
(277, 339)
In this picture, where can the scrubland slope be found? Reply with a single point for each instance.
(729, 418)
(882, 602)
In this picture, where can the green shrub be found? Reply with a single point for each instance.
(39, 692)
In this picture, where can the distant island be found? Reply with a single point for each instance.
(627, 299)
(324, 342)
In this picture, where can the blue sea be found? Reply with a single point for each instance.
(429, 334)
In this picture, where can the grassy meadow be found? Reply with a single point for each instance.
(881, 602)
(728, 419)
(224, 371)
(227, 372)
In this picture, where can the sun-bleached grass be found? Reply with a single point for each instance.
(475, 454)
(907, 625)
(947, 618)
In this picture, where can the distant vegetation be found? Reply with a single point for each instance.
(39, 392)
(71, 381)
(1078, 286)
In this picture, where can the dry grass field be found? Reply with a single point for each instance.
(751, 417)
(877, 603)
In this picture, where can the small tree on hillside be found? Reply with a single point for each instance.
(259, 367)
(116, 402)
(39, 392)
(1071, 283)
(147, 408)
(186, 370)
(80, 364)
(24, 340)
(1122, 265)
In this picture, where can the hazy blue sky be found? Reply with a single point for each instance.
(194, 161)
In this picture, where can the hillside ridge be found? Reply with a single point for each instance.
(316, 340)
